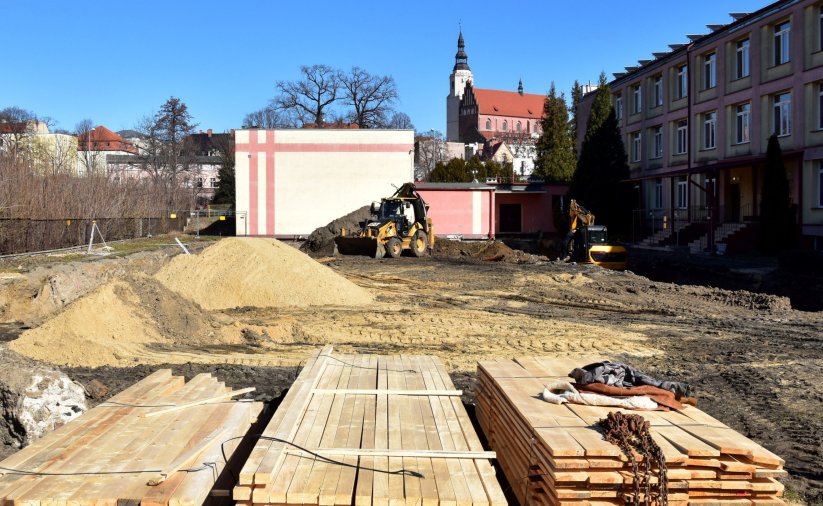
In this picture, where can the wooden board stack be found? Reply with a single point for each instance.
(373, 414)
(555, 455)
(160, 430)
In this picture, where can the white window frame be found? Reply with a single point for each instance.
(710, 130)
(618, 107)
(488, 125)
(637, 145)
(742, 59)
(682, 137)
(505, 126)
(637, 94)
(710, 70)
(742, 124)
(820, 28)
(657, 142)
(658, 90)
(682, 193)
(658, 194)
(519, 127)
(782, 43)
(782, 117)
(683, 81)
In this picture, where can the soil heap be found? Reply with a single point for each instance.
(117, 322)
(321, 241)
(258, 272)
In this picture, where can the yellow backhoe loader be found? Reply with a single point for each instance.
(398, 223)
(588, 243)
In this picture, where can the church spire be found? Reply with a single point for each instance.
(520, 86)
(461, 59)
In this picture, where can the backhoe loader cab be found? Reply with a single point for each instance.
(398, 223)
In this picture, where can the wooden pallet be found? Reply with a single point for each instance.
(397, 424)
(160, 430)
(556, 455)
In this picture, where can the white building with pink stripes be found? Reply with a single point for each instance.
(290, 182)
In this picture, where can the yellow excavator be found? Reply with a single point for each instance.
(588, 243)
(398, 223)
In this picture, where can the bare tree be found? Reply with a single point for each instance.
(269, 117)
(370, 95)
(400, 121)
(309, 97)
(429, 149)
(18, 124)
(89, 158)
(169, 153)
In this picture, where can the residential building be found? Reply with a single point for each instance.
(95, 146)
(698, 119)
(49, 153)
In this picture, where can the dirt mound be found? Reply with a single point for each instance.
(746, 299)
(257, 272)
(117, 322)
(490, 251)
(321, 241)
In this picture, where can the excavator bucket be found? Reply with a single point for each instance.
(364, 246)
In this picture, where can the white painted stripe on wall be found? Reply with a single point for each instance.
(477, 212)
(261, 185)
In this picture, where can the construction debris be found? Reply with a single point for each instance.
(118, 452)
(368, 429)
(556, 454)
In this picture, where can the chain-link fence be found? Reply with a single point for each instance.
(24, 235)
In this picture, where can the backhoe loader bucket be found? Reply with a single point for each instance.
(365, 246)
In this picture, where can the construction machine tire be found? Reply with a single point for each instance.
(394, 247)
(419, 244)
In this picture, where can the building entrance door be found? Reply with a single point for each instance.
(510, 218)
(734, 203)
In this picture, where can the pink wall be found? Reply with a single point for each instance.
(452, 211)
(536, 209)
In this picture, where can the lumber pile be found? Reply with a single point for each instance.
(556, 455)
(160, 430)
(393, 426)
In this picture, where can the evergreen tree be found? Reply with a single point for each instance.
(555, 152)
(476, 169)
(453, 171)
(494, 169)
(601, 169)
(577, 94)
(775, 219)
(224, 194)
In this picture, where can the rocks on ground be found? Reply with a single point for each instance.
(35, 400)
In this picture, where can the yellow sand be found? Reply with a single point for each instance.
(258, 272)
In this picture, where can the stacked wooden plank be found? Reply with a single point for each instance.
(370, 430)
(556, 455)
(160, 430)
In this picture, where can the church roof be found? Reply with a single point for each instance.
(509, 103)
(101, 138)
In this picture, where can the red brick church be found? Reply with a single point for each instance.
(487, 117)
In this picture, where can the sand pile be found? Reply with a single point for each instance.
(257, 272)
(118, 323)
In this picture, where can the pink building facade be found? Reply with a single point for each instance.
(696, 122)
(483, 211)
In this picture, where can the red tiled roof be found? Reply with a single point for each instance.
(509, 103)
(101, 138)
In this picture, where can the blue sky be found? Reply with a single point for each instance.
(115, 62)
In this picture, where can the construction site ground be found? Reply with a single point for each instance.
(755, 362)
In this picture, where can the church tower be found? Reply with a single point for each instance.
(460, 76)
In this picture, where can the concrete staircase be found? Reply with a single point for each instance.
(721, 233)
(662, 235)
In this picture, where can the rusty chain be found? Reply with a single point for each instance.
(631, 434)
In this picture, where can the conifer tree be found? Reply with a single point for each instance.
(601, 168)
(577, 94)
(555, 152)
(775, 222)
